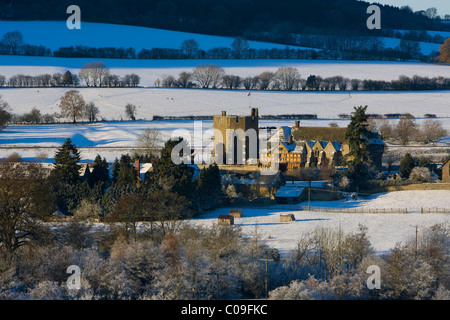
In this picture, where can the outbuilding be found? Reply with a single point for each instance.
(236, 213)
(226, 220)
(287, 217)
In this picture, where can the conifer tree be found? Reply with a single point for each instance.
(357, 137)
(208, 187)
(100, 172)
(406, 165)
(115, 170)
(127, 174)
(66, 159)
(173, 177)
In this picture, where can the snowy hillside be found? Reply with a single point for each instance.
(55, 34)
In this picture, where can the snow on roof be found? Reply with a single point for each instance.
(337, 145)
(287, 132)
(310, 143)
(143, 169)
(289, 192)
(323, 144)
(305, 184)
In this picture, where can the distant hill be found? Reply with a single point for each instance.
(266, 20)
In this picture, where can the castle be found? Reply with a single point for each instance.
(236, 138)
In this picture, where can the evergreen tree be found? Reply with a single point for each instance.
(208, 187)
(173, 177)
(67, 78)
(357, 137)
(66, 159)
(406, 166)
(100, 172)
(127, 174)
(115, 170)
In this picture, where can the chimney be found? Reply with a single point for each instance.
(254, 112)
(297, 123)
(137, 166)
(291, 139)
(224, 113)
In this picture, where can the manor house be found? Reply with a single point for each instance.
(293, 148)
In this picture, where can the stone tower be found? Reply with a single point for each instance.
(236, 138)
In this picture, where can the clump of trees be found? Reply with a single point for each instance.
(95, 74)
(5, 115)
(407, 130)
(289, 79)
(410, 271)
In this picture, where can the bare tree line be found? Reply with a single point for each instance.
(289, 78)
(326, 48)
(94, 74)
(407, 130)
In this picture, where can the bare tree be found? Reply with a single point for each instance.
(288, 77)
(406, 129)
(5, 115)
(168, 82)
(130, 111)
(190, 48)
(72, 105)
(265, 79)
(91, 112)
(13, 41)
(94, 73)
(431, 131)
(240, 47)
(385, 128)
(26, 199)
(184, 79)
(208, 75)
(231, 81)
(250, 83)
(147, 142)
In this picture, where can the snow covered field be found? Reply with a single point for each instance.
(151, 70)
(55, 34)
(179, 102)
(384, 230)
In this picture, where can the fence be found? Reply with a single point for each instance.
(346, 210)
(434, 210)
(354, 210)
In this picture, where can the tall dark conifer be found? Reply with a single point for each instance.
(66, 159)
(358, 158)
(100, 172)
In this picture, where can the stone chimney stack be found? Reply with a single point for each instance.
(224, 113)
(297, 124)
(291, 139)
(137, 166)
(254, 112)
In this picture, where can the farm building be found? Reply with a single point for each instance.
(236, 213)
(287, 217)
(289, 194)
(225, 220)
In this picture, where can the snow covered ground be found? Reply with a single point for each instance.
(384, 230)
(151, 70)
(179, 102)
(55, 34)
